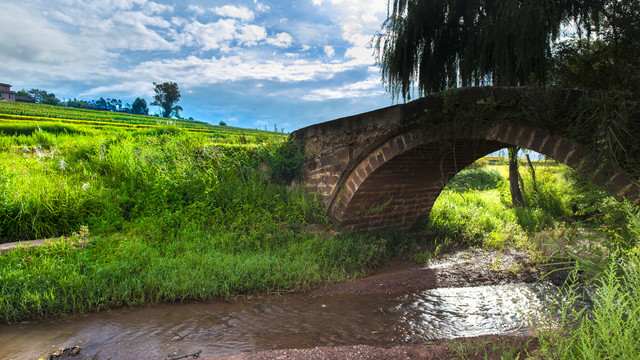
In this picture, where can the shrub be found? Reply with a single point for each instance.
(285, 161)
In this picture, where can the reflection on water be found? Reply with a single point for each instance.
(223, 328)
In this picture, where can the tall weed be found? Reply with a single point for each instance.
(610, 330)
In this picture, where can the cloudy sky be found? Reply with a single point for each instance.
(250, 63)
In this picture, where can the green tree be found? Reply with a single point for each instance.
(139, 107)
(167, 94)
(24, 93)
(609, 57)
(440, 44)
(43, 97)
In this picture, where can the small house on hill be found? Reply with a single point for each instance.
(6, 94)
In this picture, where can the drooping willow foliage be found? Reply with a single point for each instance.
(441, 44)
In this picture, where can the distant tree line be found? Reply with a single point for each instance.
(167, 95)
(139, 105)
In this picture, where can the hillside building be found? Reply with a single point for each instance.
(6, 94)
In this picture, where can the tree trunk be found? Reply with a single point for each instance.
(533, 174)
(514, 176)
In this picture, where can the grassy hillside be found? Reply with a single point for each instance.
(104, 169)
(13, 114)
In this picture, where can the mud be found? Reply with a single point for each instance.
(486, 347)
(471, 267)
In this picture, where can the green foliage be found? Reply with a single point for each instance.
(611, 329)
(139, 107)
(609, 58)
(285, 161)
(440, 44)
(167, 94)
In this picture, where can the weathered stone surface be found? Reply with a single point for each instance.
(386, 168)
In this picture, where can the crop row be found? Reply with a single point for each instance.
(49, 112)
(21, 112)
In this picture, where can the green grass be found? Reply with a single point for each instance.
(174, 216)
(194, 263)
(610, 329)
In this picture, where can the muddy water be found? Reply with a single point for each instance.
(298, 321)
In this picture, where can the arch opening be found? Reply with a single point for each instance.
(399, 181)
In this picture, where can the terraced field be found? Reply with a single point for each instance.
(21, 114)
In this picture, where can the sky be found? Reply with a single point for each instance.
(250, 63)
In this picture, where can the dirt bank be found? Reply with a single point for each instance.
(485, 347)
(472, 267)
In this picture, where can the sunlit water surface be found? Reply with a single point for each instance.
(223, 328)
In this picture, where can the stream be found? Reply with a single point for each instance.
(290, 321)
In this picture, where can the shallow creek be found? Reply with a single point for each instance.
(470, 293)
(295, 321)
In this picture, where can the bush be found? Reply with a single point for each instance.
(285, 161)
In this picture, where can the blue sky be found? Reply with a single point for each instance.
(250, 63)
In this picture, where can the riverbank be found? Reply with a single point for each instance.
(483, 347)
(462, 268)
(362, 318)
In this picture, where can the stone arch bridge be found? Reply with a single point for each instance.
(386, 168)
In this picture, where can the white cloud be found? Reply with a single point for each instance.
(119, 42)
(238, 12)
(360, 55)
(196, 71)
(212, 35)
(28, 37)
(281, 40)
(250, 35)
(128, 30)
(134, 88)
(360, 19)
(196, 9)
(369, 87)
(261, 7)
(329, 51)
(155, 8)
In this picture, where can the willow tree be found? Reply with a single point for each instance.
(433, 45)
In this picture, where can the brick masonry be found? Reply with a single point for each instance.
(383, 169)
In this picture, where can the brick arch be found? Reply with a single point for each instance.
(385, 167)
(399, 180)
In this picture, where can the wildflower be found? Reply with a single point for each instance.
(85, 186)
(28, 259)
(62, 165)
